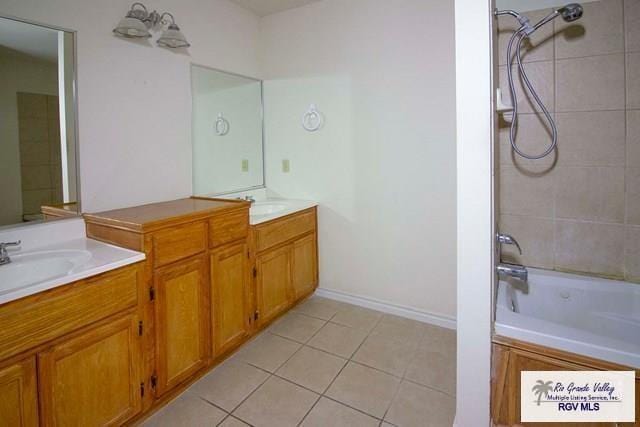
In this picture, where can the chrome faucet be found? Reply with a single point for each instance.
(513, 270)
(4, 255)
(249, 199)
(507, 239)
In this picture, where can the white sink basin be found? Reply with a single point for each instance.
(266, 208)
(30, 268)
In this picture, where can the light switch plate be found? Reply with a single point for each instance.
(286, 167)
(245, 165)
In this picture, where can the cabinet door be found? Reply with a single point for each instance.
(229, 296)
(304, 266)
(18, 396)
(182, 321)
(92, 379)
(273, 283)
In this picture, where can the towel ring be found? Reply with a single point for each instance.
(312, 119)
(222, 125)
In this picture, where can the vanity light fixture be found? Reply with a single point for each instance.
(138, 22)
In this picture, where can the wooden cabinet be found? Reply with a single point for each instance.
(93, 378)
(510, 357)
(286, 262)
(208, 277)
(181, 321)
(18, 395)
(273, 283)
(304, 259)
(231, 309)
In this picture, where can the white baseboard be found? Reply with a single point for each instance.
(398, 310)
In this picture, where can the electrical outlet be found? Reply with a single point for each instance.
(286, 167)
(245, 165)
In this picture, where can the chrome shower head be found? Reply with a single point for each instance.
(571, 12)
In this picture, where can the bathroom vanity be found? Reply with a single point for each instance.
(211, 280)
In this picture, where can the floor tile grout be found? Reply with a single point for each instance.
(346, 360)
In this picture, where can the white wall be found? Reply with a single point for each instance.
(20, 73)
(134, 97)
(383, 167)
(475, 124)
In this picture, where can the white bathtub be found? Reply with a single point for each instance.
(594, 317)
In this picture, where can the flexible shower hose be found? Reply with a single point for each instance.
(518, 37)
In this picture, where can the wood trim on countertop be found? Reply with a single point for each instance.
(154, 216)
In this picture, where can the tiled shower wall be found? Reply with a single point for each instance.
(40, 159)
(579, 208)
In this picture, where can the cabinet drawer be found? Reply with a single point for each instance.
(179, 242)
(279, 231)
(34, 320)
(228, 228)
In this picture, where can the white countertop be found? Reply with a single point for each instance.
(50, 243)
(288, 206)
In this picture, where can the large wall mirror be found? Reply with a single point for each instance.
(37, 123)
(227, 132)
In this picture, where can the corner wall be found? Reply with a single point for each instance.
(383, 167)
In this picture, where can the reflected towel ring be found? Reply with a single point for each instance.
(222, 125)
(312, 119)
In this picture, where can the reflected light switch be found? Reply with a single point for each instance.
(285, 166)
(245, 165)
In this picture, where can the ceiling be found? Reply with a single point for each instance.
(33, 40)
(267, 7)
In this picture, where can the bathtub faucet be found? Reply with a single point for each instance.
(506, 239)
(513, 270)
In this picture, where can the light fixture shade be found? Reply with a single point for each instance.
(173, 38)
(131, 27)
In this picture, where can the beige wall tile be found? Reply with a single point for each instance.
(36, 177)
(633, 80)
(633, 195)
(592, 83)
(541, 77)
(591, 138)
(590, 193)
(33, 130)
(538, 48)
(32, 105)
(590, 247)
(633, 138)
(533, 137)
(599, 31)
(32, 200)
(632, 24)
(34, 154)
(535, 236)
(526, 194)
(632, 254)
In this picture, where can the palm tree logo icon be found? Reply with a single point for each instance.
(542, 388)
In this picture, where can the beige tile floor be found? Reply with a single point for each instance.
(328, 363)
